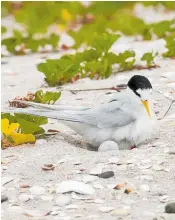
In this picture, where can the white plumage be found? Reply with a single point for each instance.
(123, 119)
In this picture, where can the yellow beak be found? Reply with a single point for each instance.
(145, 103)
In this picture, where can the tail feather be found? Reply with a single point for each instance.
(59, 115)
(52, 107)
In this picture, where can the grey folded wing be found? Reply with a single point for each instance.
(113, 114)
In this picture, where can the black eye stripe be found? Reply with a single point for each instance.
(137, 93)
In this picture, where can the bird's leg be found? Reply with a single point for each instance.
(132, 147)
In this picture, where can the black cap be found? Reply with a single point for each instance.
(139, 82)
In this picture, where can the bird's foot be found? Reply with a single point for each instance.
(132, 147)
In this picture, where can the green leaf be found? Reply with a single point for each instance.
(39, 120)
(104, 42)
(10, 117)
(47, 97)
(122, 59)
(3, 29)
(58, 71)
(149, 58)
(162, 28)
(170, 45)
(30, 124)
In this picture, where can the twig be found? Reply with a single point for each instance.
(163, 95)
(118, 89)
(168, 110)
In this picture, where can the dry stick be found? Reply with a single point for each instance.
(84, 90)
(172, 101)
(168, 110)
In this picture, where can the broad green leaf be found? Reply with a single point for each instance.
(162, 28)
(58, 71)
(104, 42)
(170, 45)
(47, 97)
(149, 58)
(38, 120)
(28, 127)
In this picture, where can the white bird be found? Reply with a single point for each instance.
(127, 118)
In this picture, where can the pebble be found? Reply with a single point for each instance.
(96, 171)
(120, 212)
(164, 199)
(89, 178)
(157, 167)
(105, 209)
(4, 198)
(63, 200)
(170, 208)
(77, 197)
(75, 186)
(47, 198)
(55, 213)
(144, 188)
(108, 146)
(37, 190)
(6, 179)
(106, 174)
(24, 197)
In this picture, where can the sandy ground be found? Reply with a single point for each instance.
(149, 171)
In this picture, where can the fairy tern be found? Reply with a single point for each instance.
(127, 118)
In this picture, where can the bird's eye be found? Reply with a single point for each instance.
(137, 94)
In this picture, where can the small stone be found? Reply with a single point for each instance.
(144, 188)
(105, 209)
(120, 212)
(157, 167)
(6, 179)
(82, 197)
(108, 146)
(47, 198)
(55, 213)
(75, 186)
(172, 151)
(96, 171)
(24, 197)
(37, 190)
(63, 200)
(89, 178)
(4, 198)
(164, 199)
(106, 174)
(170, 208)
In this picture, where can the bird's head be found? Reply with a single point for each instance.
(142, 88)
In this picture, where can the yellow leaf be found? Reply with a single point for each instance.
(66, 15)
(22, 138)
(7, 129)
